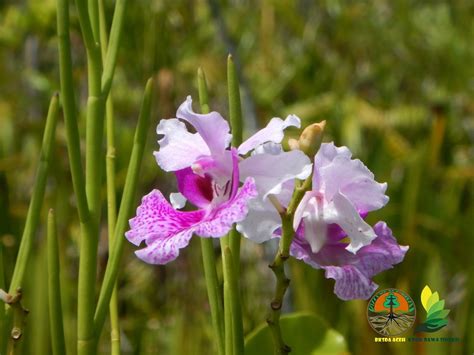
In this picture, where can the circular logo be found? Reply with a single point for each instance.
(391, 312)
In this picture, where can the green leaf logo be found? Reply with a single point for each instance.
(436, 314)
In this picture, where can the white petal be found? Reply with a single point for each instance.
(349, 220)
(212, 127)
(177, 200)
(335, 171)
(271, 171)
(261, 222)
(178, 147)
(273, 132)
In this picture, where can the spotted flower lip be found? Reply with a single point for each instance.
(208, 173)
(166, 230)
(352, 272)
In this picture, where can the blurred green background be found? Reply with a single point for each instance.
(393, 78)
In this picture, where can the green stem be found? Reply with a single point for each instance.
(235, 117)
(207, 247)
(113, 46)
(19, 318)
(54, 292)
(125, 210)
(69, 110)
(86, 28)
(34, 209)
(278, 267)
(111, 198)
(93, 7)
(234, 343)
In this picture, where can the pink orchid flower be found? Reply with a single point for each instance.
(331, 233)
(208, 173)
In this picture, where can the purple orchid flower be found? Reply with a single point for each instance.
(344, 190)
(352, 272)
(208, 172)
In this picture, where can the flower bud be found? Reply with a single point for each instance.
(311, 138)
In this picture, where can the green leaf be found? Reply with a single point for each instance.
(438, 314)
(432, 300)
(305, 333)
(436, 324)
(435, 307)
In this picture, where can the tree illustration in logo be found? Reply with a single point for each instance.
(391, 312)
(391, 303)
(436, 314)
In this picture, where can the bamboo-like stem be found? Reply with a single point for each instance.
(110, 60)
(232, 305)
(19, 318)
(278, 268)
(86, 297)
(235, 117)
(34, 209)
(235, 343)
(93, 8)
(86, 28)
(54, 289)
(111, 198)
(69, 110)
(207, 247)
(125, 209)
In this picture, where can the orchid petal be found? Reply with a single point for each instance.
(261, 222)
(335, 171)
(353, 272)
(178, 147)
(220, 221)
(197, 189)
(271, 171)
(212, 127)
(273, 132)
(347, 217)
(162, 228)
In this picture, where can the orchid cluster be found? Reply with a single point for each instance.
(252, 185)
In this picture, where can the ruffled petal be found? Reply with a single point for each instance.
(221, 219)
(351, 283)
(261, 222)
(352, 272)
(273, 132)
(271, 171)
(163, 250)
(162, 228)
(212, 127)
(178, 147)
(335, 171)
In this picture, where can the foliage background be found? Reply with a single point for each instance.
(394, 80)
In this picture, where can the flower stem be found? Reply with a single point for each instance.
(69, 109)
(34, 209)
(207, 247)
(234, 340)
(19, 318)
(235, 116)
(111, 199)
(125, 210)
(54, 289)
(278, 267)
(232, 303)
